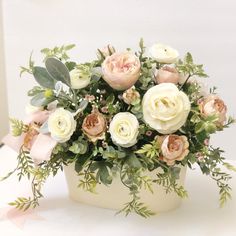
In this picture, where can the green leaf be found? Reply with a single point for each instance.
(58, 70)
(78, 147)
(43, 78)
(110, 99)
(40, 100)
(199, 127)
(175, 171)
(69, 47)
(102, 171)
(70, 65)
(189, 58)
(80, 162)
(133, 161)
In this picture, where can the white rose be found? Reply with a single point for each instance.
(124, 129)
(61, 125)
(165, 108)
(80, 77)
(163, 53)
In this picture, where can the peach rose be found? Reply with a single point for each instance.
(131, 95)
(121, 70)
(167, 74)
(94, 126)
(213, 105)
(173, 148)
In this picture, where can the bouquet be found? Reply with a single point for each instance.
(119, 116)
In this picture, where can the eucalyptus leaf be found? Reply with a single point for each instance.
(43, 78)
(58, 70)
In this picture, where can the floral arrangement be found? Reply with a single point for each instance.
(116, 117)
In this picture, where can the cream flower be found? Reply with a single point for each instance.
(121, 70)
(80, 77)
(124, 129)
(213, 105)
(61, 125)
(165, 108)
(163, 53)
(173, 148)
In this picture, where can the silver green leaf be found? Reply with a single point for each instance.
(43, 78)
(58, 70)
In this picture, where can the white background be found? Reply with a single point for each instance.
(205, 28)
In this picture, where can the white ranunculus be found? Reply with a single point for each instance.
(61, 125)
(124, 129)
(80, 77)
(165, 108)
(163, 53)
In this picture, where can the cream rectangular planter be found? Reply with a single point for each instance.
(116, 195)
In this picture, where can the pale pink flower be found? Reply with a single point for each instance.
(121, 70)
(167, 74)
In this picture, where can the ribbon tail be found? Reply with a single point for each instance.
(42, 147)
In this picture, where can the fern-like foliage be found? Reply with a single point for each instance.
(18, 127)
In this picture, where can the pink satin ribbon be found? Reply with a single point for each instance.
(41, 145)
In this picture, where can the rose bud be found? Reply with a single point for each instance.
(213, 105)
(167, 74)
(94, 126)
(130, 96)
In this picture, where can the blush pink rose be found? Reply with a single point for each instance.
(121, 70)
(173, 148)
(213, 105)
(167, 74)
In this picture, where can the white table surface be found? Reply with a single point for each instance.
(58, 215)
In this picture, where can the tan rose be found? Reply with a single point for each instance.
(94, 126)
(131, 96)
(121, 70)
(173, 148)
(213, 105)
(167, 74)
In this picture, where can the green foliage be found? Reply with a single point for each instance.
(102, 169)
(58, 70)
(230, 121)
(136, 206)
(18, 127)
(58, 52)
(88, 182)
(151, 150)
(25, 163)
(79, 147)
(40, 175)
(188, 67)
(30, 67)
(168, 179)
(35, 90)
(43, 78)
